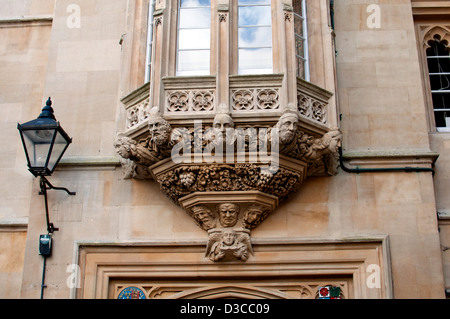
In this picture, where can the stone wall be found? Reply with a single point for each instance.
(87, 72)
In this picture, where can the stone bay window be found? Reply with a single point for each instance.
(239, 110)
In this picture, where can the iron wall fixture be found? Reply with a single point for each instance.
(44, 142)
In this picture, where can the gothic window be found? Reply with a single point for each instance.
(254, 37)
(194, 37)
(438, 61)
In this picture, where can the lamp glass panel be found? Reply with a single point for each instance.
(58, 149)
(37, 143)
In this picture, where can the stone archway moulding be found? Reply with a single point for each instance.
(280, 269)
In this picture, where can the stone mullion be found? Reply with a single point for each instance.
(156, 91)
(290, 68)
(223, 52)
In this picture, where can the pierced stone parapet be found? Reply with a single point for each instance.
(189, 97)
(192, 101)
(255, 95)
(312, 102)
(255, 99)
(137, 107)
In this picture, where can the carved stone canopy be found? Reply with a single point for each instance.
(228, 177)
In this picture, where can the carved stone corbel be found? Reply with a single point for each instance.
(228, 195)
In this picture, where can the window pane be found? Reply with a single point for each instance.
(298, 9)
(194, 39)
(255, 37)
(301, 68)
(255, 61)
(195, 18)
(299, 47)
(441, 118)
(195, 3)
(301, 42)
(298, 25)
(441, 101)
(254, 16)
(249, 2)
(194, 62)
(440, 81)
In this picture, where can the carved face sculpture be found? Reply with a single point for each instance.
(253, 215)
(204, 216)
(228, 237)
(122, 146)
(335, 138)
(228, 214)
(159, 130)
(287, 126)
(222, 122)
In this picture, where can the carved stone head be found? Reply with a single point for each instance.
(203, 216)
(287, 126)
(123, 146)
(333, 140)
(222, 122)
(254, 215)
(228, 236)
(228, 214)
(159, 128)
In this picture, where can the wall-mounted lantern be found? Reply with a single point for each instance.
(44, 142)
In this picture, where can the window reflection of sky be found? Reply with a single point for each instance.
(254, 37)
(195, 18)
(249, 2)
(194, 62)
(195, 3)
(253, 16)
(255, 61)
(194, 37)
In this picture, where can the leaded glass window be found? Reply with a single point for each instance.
(438, 59)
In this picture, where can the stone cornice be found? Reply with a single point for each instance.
(430, 8)
(88, 162)
(138, 94)
(411, 158)
(26, 20)
(13, 225)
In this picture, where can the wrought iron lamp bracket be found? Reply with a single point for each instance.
(44, 186)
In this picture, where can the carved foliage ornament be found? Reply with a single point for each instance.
(186, 179)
